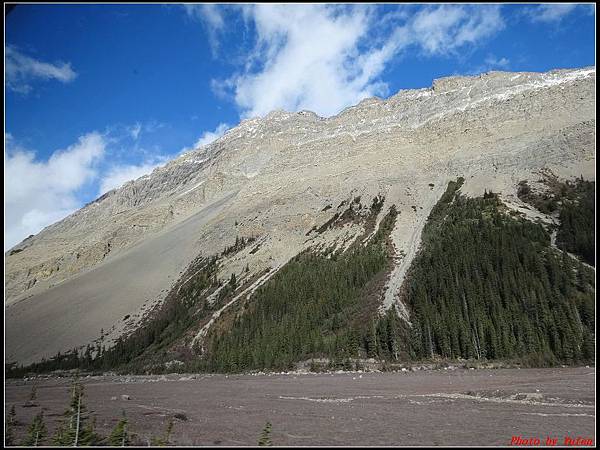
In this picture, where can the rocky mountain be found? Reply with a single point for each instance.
(278, 181)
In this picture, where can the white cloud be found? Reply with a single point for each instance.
(326, 58)
(21, 70)
(39, 193)
(212, 18)
(497, 63)
(135, 130)
(491, 62)
(118, 175)
(208, 137)
(548, 13)
(447, 28)
(304, 70)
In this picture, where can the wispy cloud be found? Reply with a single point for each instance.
(21, 70)
(342, 59)
(118, 175)
(491, 62)
(132, 133)
(210, 136)
(446, 29)
(497, 63)
(38, 193)
(212, 17)
(135, 130)
(207, 137)
(552, 12)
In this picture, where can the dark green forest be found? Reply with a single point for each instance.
(310, 307)
(574, 202)
(486, 284)
(577, 222)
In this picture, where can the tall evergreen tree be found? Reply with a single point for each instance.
(265, 436)
(119, 437)
(36, 433)
(166, 438)
(76, 428)
(33, 393)
(11, 421)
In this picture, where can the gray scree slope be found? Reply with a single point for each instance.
(273, 176)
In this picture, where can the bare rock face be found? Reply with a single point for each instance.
(272, 178)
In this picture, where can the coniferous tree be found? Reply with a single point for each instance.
(60, 437)
(166, 438)
(36, 433)
(33, 393)
(76, 428)
(265, 436)
(11, 421)
(119, 436)
(32, 397)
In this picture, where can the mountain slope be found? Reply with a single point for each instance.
(278, 178)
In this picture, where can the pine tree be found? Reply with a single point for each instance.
(88, 433)
(33, 393)
(371, 341)
(36, 432)
(120, 435)
(11, 421)
(166, 439)
(60, 437)
(32, 397)
(265, 436)
(76, 428)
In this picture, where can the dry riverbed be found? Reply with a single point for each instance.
(438, 407)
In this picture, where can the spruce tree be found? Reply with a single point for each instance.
(33, 393)
(166, 439)
(60, 437)
(120, 434)
(32, 397)
(11, 420)
(88, 433)
(36, 432)
(77, 428)
(265, 436)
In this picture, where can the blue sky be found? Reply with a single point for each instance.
(99, 94)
